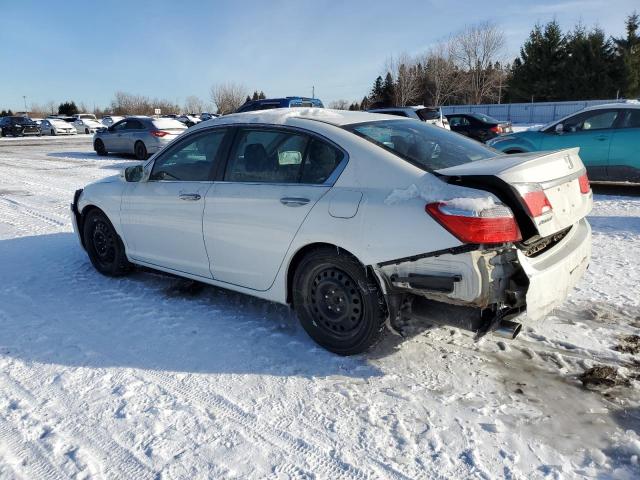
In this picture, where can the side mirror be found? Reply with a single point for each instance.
(134, 173)
(559, 128)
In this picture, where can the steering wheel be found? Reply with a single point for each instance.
(163, 173)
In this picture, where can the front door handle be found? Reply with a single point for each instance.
(602, 138)
(294, 201)
(190, 196)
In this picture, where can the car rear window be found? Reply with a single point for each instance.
(429, 114)
(425, 146)
(167, 124)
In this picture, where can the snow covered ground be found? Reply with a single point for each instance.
(139, 377)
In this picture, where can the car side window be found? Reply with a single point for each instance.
(266, 156)
(192, 160)
(120, 126)
(133, 125)
(320, 162)
(397, 113)
(458, 121)
(594, 120)
(631, 118)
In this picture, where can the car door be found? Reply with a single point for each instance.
(132, 132)
(273, 178)
(591, 131)
(45, 127)
(161, 218)
(114, 139)
(624, 152)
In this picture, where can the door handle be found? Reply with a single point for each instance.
(294, 201)
(190, 196)
(601, 138)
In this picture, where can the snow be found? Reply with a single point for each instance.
(140, 377)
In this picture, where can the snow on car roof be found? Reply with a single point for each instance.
(625, 104)
(283, 116)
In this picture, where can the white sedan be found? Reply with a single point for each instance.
(357, 220)
(56, 126)
(87, 125)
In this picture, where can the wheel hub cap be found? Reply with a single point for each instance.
(336, 303)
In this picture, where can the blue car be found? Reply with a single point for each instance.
(608, 137)
(287, 102)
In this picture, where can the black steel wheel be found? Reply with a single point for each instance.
(338, 304)
(140, 151)
(98, 146)
(104, 246)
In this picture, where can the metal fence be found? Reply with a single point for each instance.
(542, 112)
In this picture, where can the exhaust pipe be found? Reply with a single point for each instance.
(508, 329)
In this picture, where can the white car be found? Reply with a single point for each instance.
(56, 126)
(110, 120)
(87, 125)
(357, 220)
(431, 115)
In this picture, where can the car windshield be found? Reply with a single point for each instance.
(426, 146)
(167, 124)
(484, 118)
(429, 114)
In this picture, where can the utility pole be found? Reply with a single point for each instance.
(24, 97)
(313, 91)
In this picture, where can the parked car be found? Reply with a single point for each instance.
(57, 126)
(478, 126)
(287, 102)
(37, 121)
(188, 120)
(351, 218)
(109, 120)
(18, 126)
(432, 115)
(140, 136)
(85, 116)
(208, 116)
(87, 125)
(608, 136)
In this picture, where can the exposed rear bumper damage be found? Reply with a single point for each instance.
(485, 289)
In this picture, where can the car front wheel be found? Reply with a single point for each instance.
(104, 246)
(338, 304)
(98, 146)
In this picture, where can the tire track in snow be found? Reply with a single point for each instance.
(117, 461)
(323, 465)
(35, 463)
(21, 207)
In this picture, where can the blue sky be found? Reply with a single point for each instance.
(87, 50)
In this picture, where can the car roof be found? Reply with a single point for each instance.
(292, 116)
(626, 104)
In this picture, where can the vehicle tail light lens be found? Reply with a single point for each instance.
(159, 133)
(489, 225)
(585, 187)
(495, 129)
(535, 199)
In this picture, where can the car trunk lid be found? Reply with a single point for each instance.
(544, 189)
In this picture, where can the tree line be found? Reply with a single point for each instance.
(470, 67)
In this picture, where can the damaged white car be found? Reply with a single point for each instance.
(358, 221)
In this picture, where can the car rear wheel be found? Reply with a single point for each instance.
(338, 304)
(86, 131)
(98, 146)
(104, 246)
(140, 150)
(52, 132)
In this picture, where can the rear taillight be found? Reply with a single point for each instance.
(494, 224)
(159, 133)
(584, 184)
(495, 129)
(535, 199)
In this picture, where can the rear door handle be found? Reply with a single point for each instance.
(190, 196)
(294, 201)
(602, 138)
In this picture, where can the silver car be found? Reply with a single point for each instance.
(142, 136)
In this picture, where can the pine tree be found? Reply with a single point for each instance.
(261, 95)
(628, 49)
(377, 91)
(255, 95)
(67, 108)
(388, 91)
(248, 99)
(538, 72)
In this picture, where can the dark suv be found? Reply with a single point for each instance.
(287, 102)
(18, 127)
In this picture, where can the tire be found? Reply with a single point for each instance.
(511, 152)
(140, 150)
(104, 246)
(52, 132)
(86, 131)
(98, 146)
(337, 303)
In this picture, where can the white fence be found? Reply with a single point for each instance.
(542, 112)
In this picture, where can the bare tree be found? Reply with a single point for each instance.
(477, 49)
(128, 104)
(340, 104)
(227, 97)
(194, 104)
(406, 79)
(442, 78)
(51, 107)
